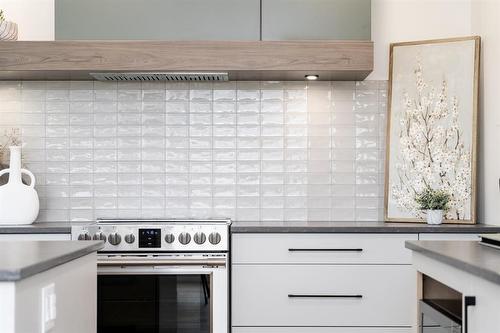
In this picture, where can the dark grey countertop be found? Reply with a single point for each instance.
(357, 227)
(22, 259)
(287, 227)
(469, 256)
(37, 228)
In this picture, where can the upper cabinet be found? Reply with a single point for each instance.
(316, 19)
(209, 20)
(247, 39)
(157, 19)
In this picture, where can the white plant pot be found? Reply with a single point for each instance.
(8, 30)
(19, 203)
(434, 216)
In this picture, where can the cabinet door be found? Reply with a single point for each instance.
(323, 295)
(321, 248)
(316, 19)
(157, 19)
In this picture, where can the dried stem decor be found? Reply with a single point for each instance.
(11, 137)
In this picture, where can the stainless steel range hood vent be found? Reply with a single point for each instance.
(173, 77)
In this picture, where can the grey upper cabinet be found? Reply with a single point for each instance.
(157, 19)
(316, 19)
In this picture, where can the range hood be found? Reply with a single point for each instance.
(185, 61)
(174, 77)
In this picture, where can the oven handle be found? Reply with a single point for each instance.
(159, 262)
(323, 296)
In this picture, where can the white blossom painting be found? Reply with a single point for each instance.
(431, 132)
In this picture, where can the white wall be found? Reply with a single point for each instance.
(486, 23)
(35, 18)
(392, 21)
(406, 20)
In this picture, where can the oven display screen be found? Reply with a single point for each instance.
(149, 238)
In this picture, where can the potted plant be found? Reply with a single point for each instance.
(434, 203)
(8, 29)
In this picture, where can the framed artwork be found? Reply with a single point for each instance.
(432, 127)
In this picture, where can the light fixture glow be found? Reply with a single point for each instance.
(311, 77)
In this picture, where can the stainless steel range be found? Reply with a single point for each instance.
(161, 275)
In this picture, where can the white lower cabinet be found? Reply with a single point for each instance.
(321, 330)
(323, 283)
(323, 295)
(482, 317)
(326, 283)
(321, 248)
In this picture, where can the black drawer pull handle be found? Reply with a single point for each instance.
(323, 296)
(468, 301)
(325, 250)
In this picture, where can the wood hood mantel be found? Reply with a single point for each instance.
(253, 60)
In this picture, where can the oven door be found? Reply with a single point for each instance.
(154, 295)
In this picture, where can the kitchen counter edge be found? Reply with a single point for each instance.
(358, 227)
(51, 254)
(468, 256)
(37, 228)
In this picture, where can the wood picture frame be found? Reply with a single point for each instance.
(455, 63)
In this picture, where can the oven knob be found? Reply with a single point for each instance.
(130, 238)
(169, 238)
(184, 238)
(214, 238)
(99, 236)
(199, 238)
(114, 239)
(84, 236)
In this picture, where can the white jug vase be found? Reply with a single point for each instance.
(19, 203)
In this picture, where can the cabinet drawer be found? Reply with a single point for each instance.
(321, 248)
(323, 295)
(321, 330)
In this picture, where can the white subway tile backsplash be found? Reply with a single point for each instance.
(246, 150)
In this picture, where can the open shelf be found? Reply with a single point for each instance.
(243, 60)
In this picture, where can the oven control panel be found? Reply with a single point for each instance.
(207, 235)
(150, 238)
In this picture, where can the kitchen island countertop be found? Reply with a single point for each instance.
(22, 259)
(470, 256)
(37, 228)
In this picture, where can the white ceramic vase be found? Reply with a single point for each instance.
(8, 30)
(19, 203)
(434, 216)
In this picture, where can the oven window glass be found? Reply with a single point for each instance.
(153, 303)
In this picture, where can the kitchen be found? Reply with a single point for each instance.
(227, 165)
